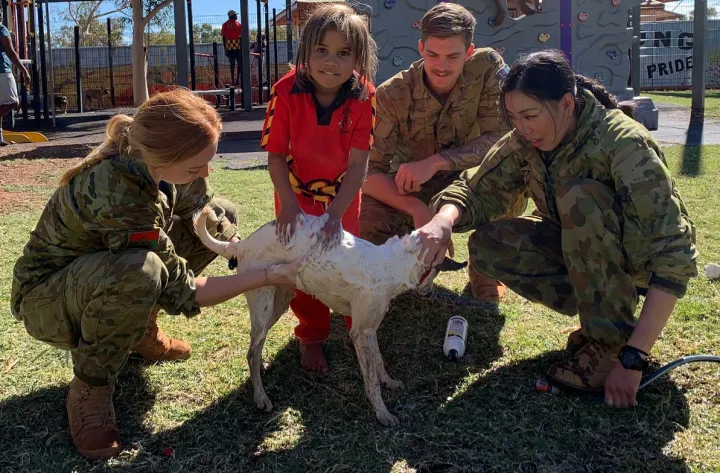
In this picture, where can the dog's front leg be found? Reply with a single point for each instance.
(364, 342)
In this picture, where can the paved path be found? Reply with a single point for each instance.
(239, 145)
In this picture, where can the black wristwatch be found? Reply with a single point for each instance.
(631, 360)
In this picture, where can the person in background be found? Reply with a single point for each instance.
(8, 88)
(231, 33)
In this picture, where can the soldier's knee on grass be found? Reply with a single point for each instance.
(228, 207)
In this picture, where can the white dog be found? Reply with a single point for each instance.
(355, 278)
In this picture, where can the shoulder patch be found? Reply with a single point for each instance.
(148, 239)
(503, 72)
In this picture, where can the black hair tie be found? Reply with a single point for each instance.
(232, 263)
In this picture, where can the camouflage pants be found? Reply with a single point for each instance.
(576, 266)
(380, 222)
(106, 298)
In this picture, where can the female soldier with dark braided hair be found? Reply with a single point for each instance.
(609, 225)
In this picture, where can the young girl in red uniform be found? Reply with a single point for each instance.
(318, 132)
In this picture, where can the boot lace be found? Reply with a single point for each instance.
(95, 407)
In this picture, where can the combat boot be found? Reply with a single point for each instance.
(575, 341)
(91, 416)
(157, 347)
(485, 289)
(586, 369)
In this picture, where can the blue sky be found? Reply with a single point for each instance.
(221, 7)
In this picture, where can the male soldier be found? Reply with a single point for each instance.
(434, 120)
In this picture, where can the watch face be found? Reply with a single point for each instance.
(631, 360)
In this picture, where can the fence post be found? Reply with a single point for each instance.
(43, 64)
(110, 62)
(267, 49)
(78, 78)
(246, 93)
(635, 64)
(33, 58)
(216, 69)
(700, 26)
(191, 34)
(289, 22)
(258, 40)
(275, 42)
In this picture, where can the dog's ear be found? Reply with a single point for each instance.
(449, 264)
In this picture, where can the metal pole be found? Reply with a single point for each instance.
(700, 27)
(245, 45)
(267, 50)
(193, 81)
(33, 58)
(289, 23)
(52, 70)
(43, 65)
(181, 44)
(635, 64)
(78, 77)
(275, 42)
(258, 40)
(216, 69)
(110, 62)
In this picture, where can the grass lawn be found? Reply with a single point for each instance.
(480, 414)
(684, 99)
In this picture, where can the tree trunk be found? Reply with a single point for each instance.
(139, 65)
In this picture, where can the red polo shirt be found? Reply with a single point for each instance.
(316, 141)
(231, 29)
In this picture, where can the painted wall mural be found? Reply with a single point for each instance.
(592, 33)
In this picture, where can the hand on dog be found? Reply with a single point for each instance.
(285, 226)
(285, 274)
(331, 233)
(421, 217)
(435, 238)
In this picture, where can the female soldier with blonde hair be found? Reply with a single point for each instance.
(115, 244)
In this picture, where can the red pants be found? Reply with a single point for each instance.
(314, 316)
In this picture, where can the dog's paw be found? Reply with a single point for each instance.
(394, 384)
(387, 419)
(263, 403)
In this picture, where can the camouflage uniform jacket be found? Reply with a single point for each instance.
(609, 147)
(413, 125)
(111, 206)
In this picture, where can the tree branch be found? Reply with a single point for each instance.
(118, 10)
(155, 11)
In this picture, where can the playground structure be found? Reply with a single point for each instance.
(593, 34)
(71, 84)
(599, 37)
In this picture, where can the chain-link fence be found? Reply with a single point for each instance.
(666, 44)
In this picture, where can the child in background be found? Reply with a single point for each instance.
(318, 133)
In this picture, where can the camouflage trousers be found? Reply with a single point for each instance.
(575, 266)
(380, 222)
(106, 299)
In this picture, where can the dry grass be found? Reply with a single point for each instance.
(481, 414)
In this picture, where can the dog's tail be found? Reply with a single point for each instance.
(220, 247)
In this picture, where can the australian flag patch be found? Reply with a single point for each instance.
(503, 72)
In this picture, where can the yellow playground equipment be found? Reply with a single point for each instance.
(24, 137)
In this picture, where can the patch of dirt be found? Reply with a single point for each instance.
(27, 184)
